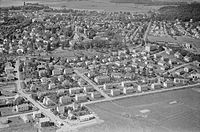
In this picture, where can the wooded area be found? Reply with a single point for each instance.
(181, 12)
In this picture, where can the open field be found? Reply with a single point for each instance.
(85, 4)
(5, 111)
(181, 115)
(71, 53)
(16, 124)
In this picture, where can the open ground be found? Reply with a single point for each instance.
(174, 111)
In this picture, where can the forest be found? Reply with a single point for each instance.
(182, 12)
(151, 2)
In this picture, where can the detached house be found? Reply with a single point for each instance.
(57, 72)
(81, 97)
(21, 108)
(65, 100)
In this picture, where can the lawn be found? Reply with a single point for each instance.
(17, 125)
(5, 111)
(182, 116)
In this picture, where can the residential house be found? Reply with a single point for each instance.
(143, 88)
(187, 58)
(102, 79)
(68, 71)
(188, 45)
(43, 121)
(82, 82)
(10, 77)
(26, 118)
(60, 109)
(129, 90)
(128, 84)
(168, 84)
(172, 62)
(180, 81)
(66, 83)
(41, 67)
(115, 92)
(195, 75)
(88, 89)
(156, 86)
(61, 78)
(95, 95)
(150, 47)
(86, 117)
(129, 76)
(117, 75)
(57, 72)
(81, 97)
(109, 86)
(187, 69)
(65, 100)
(47, 101)
(44, 80)
(9, 69)
(162, 63)
(75, 90)
(127, 69)
(37, 114)
(52, 86)
(21, 108)
(168, 51)
(91, 74)
(178, 55)
(75, 77)
(42, 73)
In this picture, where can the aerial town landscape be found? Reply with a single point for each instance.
(131, 66)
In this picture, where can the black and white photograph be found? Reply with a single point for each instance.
(99, 65)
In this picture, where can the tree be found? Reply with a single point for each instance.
(48, 47)
(34, 96)
(19, 100)
(63, 45)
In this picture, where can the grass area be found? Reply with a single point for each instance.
(71, 53)
(49, 129)
(125, 114)
(5, 111)
(17, 125)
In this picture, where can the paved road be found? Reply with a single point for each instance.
(22, 114)
(4, 97)
(46, 112)
(147, 31)
(178, 67)
(91, 83)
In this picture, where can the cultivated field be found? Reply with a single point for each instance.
(175, 111)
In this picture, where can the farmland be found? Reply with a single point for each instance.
(124, 115)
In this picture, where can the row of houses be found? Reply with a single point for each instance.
(131, 87)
